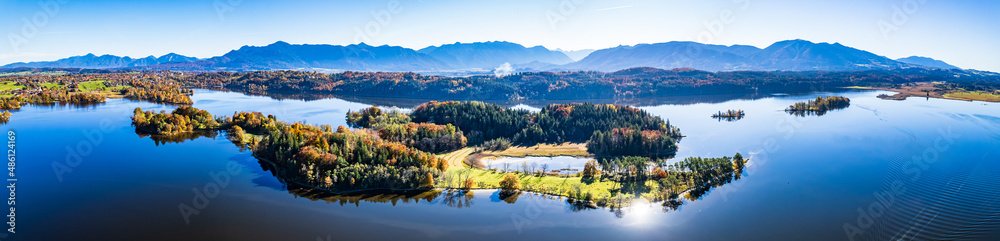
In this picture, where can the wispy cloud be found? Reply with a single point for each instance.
(613, 8)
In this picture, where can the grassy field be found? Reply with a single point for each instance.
(564, 149)
(51, 85)
(974, 95)
(97, 85)
(571, 186)
(10, 85)
(568, 186)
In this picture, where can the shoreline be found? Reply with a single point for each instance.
(927, 90)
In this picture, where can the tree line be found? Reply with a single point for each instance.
(182, 119)
(578, 122)
(696, 174)
(395, 126)
(629, 142)
(319, 156)
(628, 83)
(481, 121)
(156, 91)
(555, 123)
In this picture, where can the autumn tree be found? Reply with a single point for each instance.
(510, 183)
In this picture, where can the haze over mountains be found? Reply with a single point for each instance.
(790, 55)
(492, 54)
(793, 55)
(91, 61)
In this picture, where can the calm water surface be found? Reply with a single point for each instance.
(924, 168)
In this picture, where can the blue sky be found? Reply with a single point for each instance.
(963, 33)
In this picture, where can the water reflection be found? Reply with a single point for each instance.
(706, 188)
(672, 205)
(380, 196)
(178, 138)
(804, 113)
(449, 197)
(729, 115)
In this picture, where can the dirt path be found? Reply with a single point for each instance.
(456, 158)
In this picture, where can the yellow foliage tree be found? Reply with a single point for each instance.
(469, 183)
(510, 183)
(428, 181)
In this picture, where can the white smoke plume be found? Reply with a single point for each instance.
(503, 70)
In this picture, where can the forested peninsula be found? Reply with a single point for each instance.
(388, 149)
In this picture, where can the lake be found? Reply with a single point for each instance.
(914, 169)
(564, 164)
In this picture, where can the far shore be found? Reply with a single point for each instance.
(927, 90)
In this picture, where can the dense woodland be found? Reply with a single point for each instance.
(481, 121)
(373, 117)
(578, 122)
(555, 123)
(346, 159)
(425, 136)
(182, 119)
(395, 126)
(313, 155)
(630, 142)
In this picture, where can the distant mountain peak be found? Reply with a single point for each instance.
(928, 62)
(489, 55)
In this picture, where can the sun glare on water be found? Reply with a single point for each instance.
(640, 214)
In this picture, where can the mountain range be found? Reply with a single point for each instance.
(789, 55)
(91, 61)
(488, 55)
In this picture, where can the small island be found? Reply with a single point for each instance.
(819, 106)
(729, 115)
